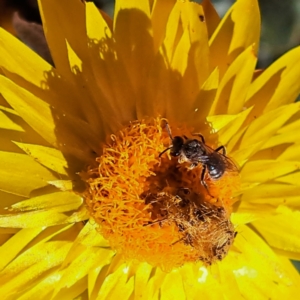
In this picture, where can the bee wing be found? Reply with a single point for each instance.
(231, 166)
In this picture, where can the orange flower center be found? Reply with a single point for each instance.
(156, 209)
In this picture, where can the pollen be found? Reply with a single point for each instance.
(154, 208)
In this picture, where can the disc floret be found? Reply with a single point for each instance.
(154, 208)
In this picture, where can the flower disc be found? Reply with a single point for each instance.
(154, 208)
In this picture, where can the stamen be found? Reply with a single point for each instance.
(153, 208)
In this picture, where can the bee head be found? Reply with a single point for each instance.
(177, 144)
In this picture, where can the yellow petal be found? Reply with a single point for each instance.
(233, 87)
(20, 59)
(88, 91)
(289, 255)
(233, 127)
(63, 185)
(40, 116)
(291, 126)
(16, 243)
(241, 156)
(266, 170)
(35, 75)
(163, 81)
(26, 269)
(117, 285)
(220, 121)
(212, 18)
(157, 95)
(57, 31)
(191, 52)
(96, 25)
(288, 133)
(79, 216)
(234, 141)
(118, 94)
(7, 123)
(88, 237)
(201, 107)
(81, 265)
(94, 277)
(228, 281)
(133, 38)
(282, 230)
(293, 272)
(48, 157)
(76, 291)
(288, 137)
(236, 32)
(22, 132)
(197, 69)
(33, 219)
(143, 6)
(241, 218)
(273, 194)
(190, 275)
(199, 280)
(65, 201)
(181, 54)
(42, 290)
(14, 167)
(154, 283)
(191, 48)
(33, 110)
(258, 271)
(293, 179)
(262, 128)
(292, 153)
(142, 275)
(277, 85)
(172, 286)
(7, 109)
(159, 17)
(8, 199)
(173, 34)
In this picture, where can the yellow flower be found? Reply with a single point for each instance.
(80, 145)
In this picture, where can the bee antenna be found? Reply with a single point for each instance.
(169, 131)
(160, 154)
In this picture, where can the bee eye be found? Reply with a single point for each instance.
(178, 141)
(175, 153)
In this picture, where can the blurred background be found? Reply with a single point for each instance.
(280, 26)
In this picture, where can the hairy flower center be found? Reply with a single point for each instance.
(155, 208)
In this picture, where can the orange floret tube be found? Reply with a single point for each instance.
(153, 208)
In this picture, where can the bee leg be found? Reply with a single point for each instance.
(202, 177)
(155, 222)
(221, 148)
(200, 136)
(185, 137)
(192, 166)
(174, 243)
(203, 181)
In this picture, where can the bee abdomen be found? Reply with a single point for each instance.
(215, 173)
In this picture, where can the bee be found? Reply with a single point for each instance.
(195, 151)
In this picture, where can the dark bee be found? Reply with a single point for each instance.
(213, 161)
